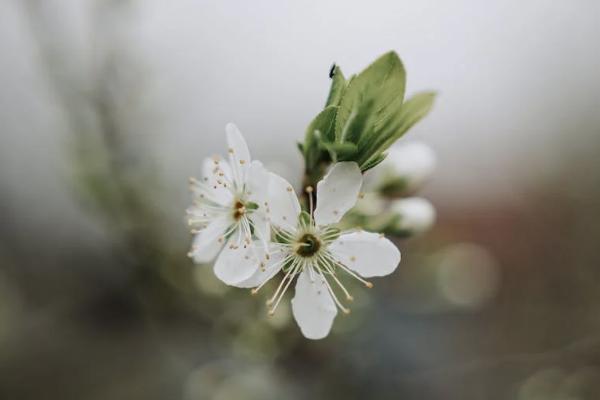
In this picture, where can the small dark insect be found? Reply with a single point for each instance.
(332, 71)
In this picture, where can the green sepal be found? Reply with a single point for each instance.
(251, 205)
(394, 228)
(330, 234)
(304, 218)
(278, 237)
(393, 187)
(398, 233)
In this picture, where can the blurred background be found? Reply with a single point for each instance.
(107, 106)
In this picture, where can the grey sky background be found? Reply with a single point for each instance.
(518, 86)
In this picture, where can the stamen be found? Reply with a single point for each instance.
(282, 261)
(237, 175)
(291, 278)
(332, 273)
(285, 234)
(348, 270)
(331, 292)
(272, 299)
(309, 190)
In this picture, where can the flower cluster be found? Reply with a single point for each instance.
(254, 226)
(251, 221)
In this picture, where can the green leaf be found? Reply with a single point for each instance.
(338, 85)
(373, 162)
(324, 123)
(340, 151)
(384, 81)
(411, 112)
(364, 115)
(320, 129)
(359, 122)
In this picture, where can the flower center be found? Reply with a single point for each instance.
(239, 209)
(308, 245)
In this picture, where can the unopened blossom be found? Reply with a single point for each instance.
(415, 214)
(405, 168)
(230, 211)
(311, 251)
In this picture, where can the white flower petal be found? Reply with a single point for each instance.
(257, 183)
(262, 228)
(416, 214)
(413, 162)
(264, 272)
(216, 186)
(206, 244)
(313, 307)
(239, 155)
(235, 265)
(337, 192)
(368, 254)
(283, 202)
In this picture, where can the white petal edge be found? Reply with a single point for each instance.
(368, 254)
(313, 307)
(239, 155)
(337, 192)
(264, 273)
(206, 244)
(284, 207)
(235, 265)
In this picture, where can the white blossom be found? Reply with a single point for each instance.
(309, 249)
(416, 214)
(230, 211)
(406, 166)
